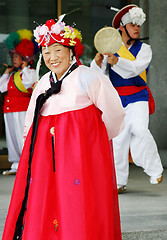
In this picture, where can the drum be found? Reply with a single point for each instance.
(107, 40)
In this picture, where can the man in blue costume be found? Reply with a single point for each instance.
(127, 71)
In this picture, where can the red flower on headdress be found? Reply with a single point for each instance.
(49, 23)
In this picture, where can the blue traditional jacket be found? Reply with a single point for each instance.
(141, 94)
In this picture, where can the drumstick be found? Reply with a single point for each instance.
(8, 66)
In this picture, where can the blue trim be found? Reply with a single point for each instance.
(140, 96)
(118, 81)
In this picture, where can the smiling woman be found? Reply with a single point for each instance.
(57, 58)
(65, 186)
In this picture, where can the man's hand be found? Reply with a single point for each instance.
(99, 58)
(111, 59)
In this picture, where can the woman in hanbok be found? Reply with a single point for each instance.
(17, 83)
(65, 187)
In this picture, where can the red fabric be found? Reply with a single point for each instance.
(52, 40)
(77, 202)
(15, 100)
(151, 102)
(128, 90)
(13, 104)
(79, 48)
(78, 61)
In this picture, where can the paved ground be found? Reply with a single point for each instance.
(143, 207)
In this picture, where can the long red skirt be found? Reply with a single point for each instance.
(73, 193)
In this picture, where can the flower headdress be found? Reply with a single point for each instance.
(59, 32)
(52, 32)
(23, 43)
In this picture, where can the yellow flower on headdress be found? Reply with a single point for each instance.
(73, 35)
(72, 43)
(78, 34)
(69, 33)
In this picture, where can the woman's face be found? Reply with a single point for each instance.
(17, 60)
(57, 58)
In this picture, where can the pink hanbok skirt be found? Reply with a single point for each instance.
(73, 192)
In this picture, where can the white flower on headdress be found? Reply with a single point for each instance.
(37, 33)
(137, 15)
(43, 30)
(57, 28)
(62, 24)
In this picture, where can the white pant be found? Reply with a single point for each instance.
(14, 127)
(138, 138)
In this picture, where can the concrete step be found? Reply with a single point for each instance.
(145, 235)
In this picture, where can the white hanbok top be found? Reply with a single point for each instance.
(80, 89)
(127, 68)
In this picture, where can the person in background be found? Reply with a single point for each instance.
(65, 186)
(16, 83)
(127, 72)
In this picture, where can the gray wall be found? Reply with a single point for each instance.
(158, 69)
(156, 28)
(157, 81)
(158, 73)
